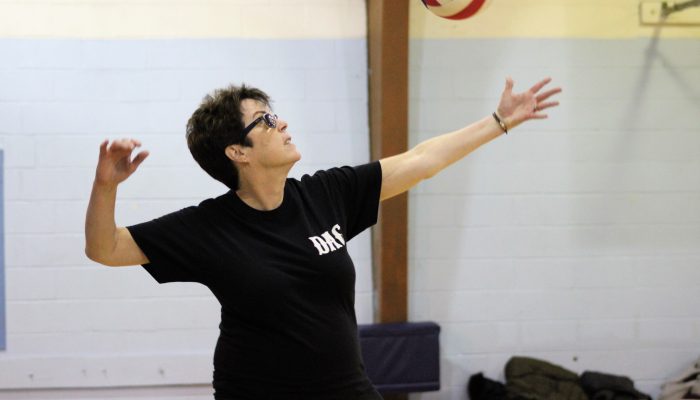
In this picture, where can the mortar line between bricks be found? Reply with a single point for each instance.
(84, 200)
(554, 226)
(550, 194)
(131, 299)
(665, 255)
(569, 351)
(511, 321)
(544, 193)
(92, 331)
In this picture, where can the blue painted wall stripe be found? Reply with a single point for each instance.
(2, 258)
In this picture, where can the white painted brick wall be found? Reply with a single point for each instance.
(576, 239)
(573, 240)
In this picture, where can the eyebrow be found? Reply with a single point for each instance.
(258, 112)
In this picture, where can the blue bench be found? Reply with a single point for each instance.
(402, 357)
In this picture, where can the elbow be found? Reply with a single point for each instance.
(430, 171)
(428, 164)
(429, 167)
(97, 257)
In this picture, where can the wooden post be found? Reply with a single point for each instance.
(388, 116)
(388, 126)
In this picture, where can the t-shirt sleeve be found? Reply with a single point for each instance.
(169, 243)
(357, 190)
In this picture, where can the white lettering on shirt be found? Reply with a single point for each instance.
(321, 245)
(330, 241)
(337, 234)
(327, 243)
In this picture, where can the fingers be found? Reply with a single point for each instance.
(123, 145)
(542, 106)
(539, 85)
(547, 94)
(138, 160)
(103, 147)
(509, 84)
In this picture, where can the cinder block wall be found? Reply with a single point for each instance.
(575, 239)
(76, 73)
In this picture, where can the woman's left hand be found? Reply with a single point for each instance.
(516, 108)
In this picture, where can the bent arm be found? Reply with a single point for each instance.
(105, 243)
(403, 171)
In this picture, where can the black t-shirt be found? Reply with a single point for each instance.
(284, 279)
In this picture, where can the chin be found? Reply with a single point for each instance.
(298, 156)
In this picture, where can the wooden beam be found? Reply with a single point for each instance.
(388, 119)
(388, 127)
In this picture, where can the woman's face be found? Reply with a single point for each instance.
(272, 146)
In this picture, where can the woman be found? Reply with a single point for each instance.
(272, 249)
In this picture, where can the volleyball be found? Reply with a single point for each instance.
(454, 9)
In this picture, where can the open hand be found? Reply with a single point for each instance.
(115, 163)
(517, 108)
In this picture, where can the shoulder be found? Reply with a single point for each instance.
(195, 213)
(339, 182)
(344, 173)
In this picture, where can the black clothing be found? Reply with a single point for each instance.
(481, 388)
(284, 279)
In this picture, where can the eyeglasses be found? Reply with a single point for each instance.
(270, 121)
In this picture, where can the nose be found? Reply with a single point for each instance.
(282, 125)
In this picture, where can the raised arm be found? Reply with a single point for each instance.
(403, 171)
(105, 243)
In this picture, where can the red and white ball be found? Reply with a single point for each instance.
(454, 9)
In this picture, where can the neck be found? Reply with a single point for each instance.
(263, 190)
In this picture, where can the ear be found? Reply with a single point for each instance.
(236, 153)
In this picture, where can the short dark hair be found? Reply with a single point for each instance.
(217, 124)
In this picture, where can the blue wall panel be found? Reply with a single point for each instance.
(2, 259)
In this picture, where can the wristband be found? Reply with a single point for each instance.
(501, 123)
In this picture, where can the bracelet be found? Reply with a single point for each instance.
(500, 122)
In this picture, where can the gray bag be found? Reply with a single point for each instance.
(686, 386)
